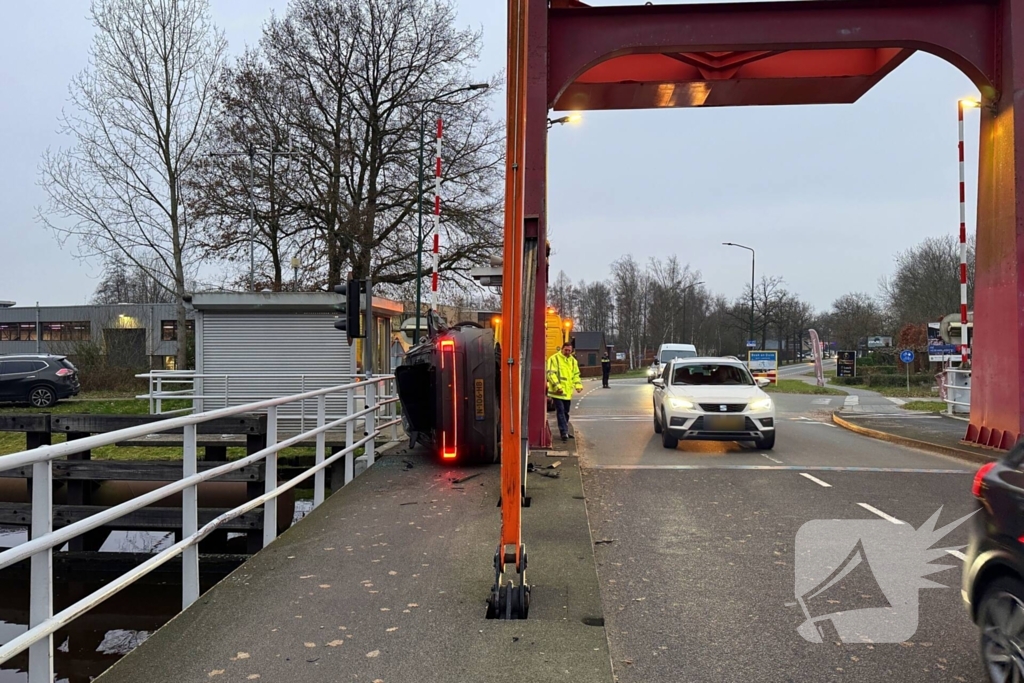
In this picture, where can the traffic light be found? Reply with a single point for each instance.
(351, 320)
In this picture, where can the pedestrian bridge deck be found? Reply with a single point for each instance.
(387, 581)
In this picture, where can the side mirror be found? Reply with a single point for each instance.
(660, 383)
(763, 381)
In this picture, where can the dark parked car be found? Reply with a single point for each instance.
(39, 380)
(993, 577)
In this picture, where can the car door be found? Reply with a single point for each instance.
(659, 391)
(6, 393)
(19, 375)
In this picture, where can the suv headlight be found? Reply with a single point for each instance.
(680, 404)
(760, 405)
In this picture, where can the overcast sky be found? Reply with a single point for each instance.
(827, 195)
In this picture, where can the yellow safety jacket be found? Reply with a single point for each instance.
(563, 375)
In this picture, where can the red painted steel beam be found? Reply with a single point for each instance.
(535, 210)
(581, 38)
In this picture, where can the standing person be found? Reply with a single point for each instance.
(606, 369)
(563, 375)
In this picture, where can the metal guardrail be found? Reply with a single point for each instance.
(956, 394)
(216, 388)
(39, 550)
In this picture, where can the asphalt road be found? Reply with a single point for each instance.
(697, 553)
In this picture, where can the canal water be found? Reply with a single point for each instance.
(94, 641)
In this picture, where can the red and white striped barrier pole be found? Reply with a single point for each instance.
(964, 345)
(437, 216)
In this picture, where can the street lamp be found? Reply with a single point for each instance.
(961, 104)
(419, 198)
(571, 118)
(733, 244)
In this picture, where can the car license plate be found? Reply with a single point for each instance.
(724, 423)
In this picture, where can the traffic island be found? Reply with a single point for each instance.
(387, 581)
(932, 432)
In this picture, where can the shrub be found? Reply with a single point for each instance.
(899, 380)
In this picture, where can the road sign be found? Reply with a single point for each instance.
(907, 356)
(751, 343)
(764, 364)
(846, 364)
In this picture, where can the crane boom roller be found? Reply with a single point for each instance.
(511, 599)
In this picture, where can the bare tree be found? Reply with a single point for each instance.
(629, 288)
(251, 171)
(596, 307)
(139, 117)
(561, 296)
(853, 316)
(126, 282)
(359, 73)
(926, 283)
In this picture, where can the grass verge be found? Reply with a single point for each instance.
(926, 406)
(796, 386)
(91, 404)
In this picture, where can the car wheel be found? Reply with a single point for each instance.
(667, 440)
(767, 443)
(1001, 618)
(42, 397)
(657, 425)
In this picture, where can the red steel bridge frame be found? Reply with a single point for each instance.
(568, 56)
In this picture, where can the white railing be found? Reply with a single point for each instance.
(957, 391)
(204, 391)
(43, 622)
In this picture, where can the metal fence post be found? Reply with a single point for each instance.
(350, 433)
(371, 402)
(321, 446)
(40, 654)
(302, 405)
(189, 521)
(393, 393)
(270, 480)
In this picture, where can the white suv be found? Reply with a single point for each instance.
(712, 399)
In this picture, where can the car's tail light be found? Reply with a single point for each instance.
(64, 372)
(978, 477)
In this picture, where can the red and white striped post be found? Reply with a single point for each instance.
(965, 345)
(437, 217)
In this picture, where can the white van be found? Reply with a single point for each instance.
(667, 353)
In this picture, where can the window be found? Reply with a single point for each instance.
(27, 331)
(72, 331)
(8, 331)
(20, 367)
(170, 363)
(169, 329)
(711, 375)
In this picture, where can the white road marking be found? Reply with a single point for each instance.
(817, 481)
(807, 420)
(876, 511)
(777, 462)
(897, 401)
(852, 401)
(822, 401)
(957, 554)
